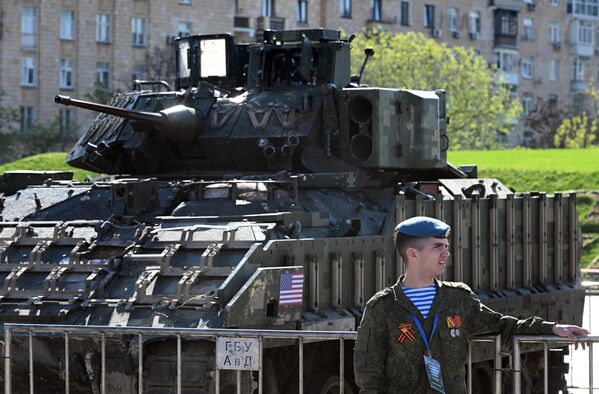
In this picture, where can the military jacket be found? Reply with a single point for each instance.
(388, 356)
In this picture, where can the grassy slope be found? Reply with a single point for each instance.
(46, 161)
(541, 170)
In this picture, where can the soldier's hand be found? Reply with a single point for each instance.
(570, 332)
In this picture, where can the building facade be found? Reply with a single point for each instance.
(545, 50)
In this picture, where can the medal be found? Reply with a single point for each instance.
(454, 323)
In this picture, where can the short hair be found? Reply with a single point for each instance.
(403, 242)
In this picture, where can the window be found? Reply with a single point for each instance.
(28, 22)
(527, 67)
(65, 119)
(377, 10)
(527, 103)
(302, 11)
(506, 60)
(554, 36)
(553, 70)
(528, 30)
(528, 138)
(27, 71)
(267, 7)
(67, 26)
(579, 69)
(103, 28)
(404, 18)
(506, 23)
(428, 16)
(65, 76)
(554, 2)
(345, 8)
(474, 19)
(103, 74)
(138, 72)
(452, 19)
(138, 31)
(583, 7)
(585, 32)
(28, 117)
(183, 29)
(184, 1)
(552, 100)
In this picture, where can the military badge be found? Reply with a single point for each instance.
(405, 332)
(454, 323)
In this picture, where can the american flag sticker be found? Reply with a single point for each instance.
(292, 288)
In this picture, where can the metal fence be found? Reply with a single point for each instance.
(68, 332)
(548, 342)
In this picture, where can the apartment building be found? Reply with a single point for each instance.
(54, 47)
(545, 49)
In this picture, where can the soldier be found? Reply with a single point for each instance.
(413, 337)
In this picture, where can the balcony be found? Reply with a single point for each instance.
(506, 40)
(270, 23)
(509, 77)
(581, 49)
(514, 5)
(578, 85)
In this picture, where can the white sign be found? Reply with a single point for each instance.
(238, 353)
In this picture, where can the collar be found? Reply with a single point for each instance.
(439, 303)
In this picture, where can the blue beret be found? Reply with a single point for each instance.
(422, 227)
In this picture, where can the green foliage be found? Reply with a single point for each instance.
(54, 161)
(584, 205)
(101, 94)
(590, 251)
(479, 106)
(579, 131)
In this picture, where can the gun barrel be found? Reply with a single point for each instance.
(139, 116)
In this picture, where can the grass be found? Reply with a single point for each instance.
(46, 161)
(536, 170)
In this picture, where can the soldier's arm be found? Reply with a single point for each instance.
(370, 353)
(487, 320)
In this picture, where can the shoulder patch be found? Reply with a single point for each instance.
(379, 296)
(456, 285)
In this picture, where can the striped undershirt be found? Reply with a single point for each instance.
(422, 297)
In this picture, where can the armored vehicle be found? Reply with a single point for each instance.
(260, 193)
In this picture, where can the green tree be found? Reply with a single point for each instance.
(579, 131)
(479, 106)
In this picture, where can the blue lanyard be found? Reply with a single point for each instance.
(422, 333)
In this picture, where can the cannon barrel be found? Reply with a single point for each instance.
(154, 118)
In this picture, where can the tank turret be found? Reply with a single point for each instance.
(287, 103)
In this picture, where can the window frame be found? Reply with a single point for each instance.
(28, 26)
(302, 11)
(29, 114)
(66, 74)
(553, 70)
(345, 9)
(404, 16)
(528, 29)
(528, 67)
(452, 19)
(28, 72)
(104, 28)
(139, 38)
(67, 26)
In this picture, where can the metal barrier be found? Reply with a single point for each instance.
(68, 332)
(547, 341)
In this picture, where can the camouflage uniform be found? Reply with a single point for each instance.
(389, 351)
